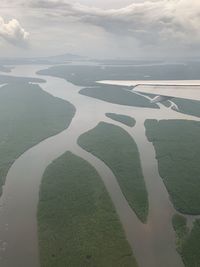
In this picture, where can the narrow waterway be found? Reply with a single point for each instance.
(153, 243)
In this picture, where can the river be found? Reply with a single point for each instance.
(153, 243)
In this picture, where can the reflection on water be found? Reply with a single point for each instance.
(153, 243)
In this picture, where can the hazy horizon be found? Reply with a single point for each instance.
(100, 29)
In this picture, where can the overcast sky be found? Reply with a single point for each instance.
(100, 28)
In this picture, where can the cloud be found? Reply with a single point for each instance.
(13, 33)
(49, 4)
(165, 22)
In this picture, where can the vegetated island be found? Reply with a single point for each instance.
(177, 146)
(87, 75)
(77, 223)
(84, 75)
(18, 80)
(167, 103)
(186, 106)
(117, 95)
(128, 121)
(5, 69)
(28, 115)
(117, 149)
(187, 242)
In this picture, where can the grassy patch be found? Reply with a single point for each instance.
(188, 243)
(116, 95)
(118, 150)
(78, 225)
(27, 116)
(177, 146)
(122, 118)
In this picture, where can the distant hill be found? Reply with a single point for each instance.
(67, 57)
(59, 59)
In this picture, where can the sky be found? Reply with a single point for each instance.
(100, 28)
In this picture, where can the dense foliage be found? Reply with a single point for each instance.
(122, 118)
(188, 242)
(116, 95)
(87, 75)
(177, 146)
(118, 150)
(27, 116)
(191, 107)
(78, 225)
(4, 79)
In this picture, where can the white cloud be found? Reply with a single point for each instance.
(13, 33)
(165, 22)
(144, 27)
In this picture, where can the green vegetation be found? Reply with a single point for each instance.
(88, 75)
(177, 146)
(180, 226)
(115, 94)
(84, 75)
(188, 243)
(78, 225)
(167, 104)
(191, 247)
(117, 149)
(138, 63)
(18, 80)
(4, 69)
(186, 106)
(27, 116)
(122, 118)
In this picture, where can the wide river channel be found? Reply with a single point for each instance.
(153, 243)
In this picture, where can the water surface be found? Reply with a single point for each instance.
(153, 243)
